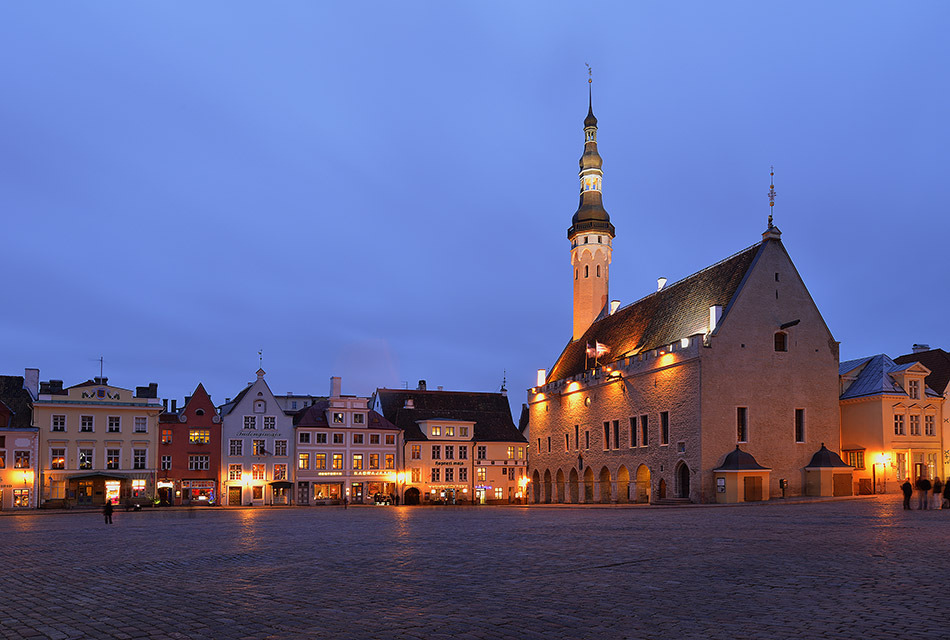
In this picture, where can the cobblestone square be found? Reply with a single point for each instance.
(859, 568)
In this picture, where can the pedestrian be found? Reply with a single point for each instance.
(908, 491)
(346, 502)
(107, 511)
(946, 495)
(923, 492)
(938, 493)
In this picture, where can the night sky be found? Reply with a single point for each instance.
(382, 191)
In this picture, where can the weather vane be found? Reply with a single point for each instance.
(771, 192)
(590, 73)
(260, 357)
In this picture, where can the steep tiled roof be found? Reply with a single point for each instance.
(938, 361)
(490, 412)
(676, 311)
(18, 400)
(876, 377)
(316, 416)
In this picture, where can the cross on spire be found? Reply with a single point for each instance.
(771, 193)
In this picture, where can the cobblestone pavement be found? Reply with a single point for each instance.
(847, 569)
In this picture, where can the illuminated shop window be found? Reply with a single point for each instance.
(21, 498)
(480, 474)
(85, 458)
(357, 460)
(390, 461)
(257, 447)
(21, 459)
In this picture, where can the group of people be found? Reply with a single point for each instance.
(930, 495)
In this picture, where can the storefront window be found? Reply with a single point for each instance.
(138, 488)
(21, 498)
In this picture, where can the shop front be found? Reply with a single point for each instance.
(280, 492)
(198, 492)
(327, 493)
(448, 494)
(95, 489)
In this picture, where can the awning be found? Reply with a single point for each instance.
(281, 484)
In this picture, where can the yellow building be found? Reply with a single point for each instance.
(889, 423)
(97, 442)
(459, 447)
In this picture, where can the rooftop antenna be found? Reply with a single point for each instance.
(771, 192)
(100, 367)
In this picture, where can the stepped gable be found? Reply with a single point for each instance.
(676, 311)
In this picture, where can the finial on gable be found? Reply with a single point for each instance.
(772, 232)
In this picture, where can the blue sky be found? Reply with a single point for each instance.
(382, 191)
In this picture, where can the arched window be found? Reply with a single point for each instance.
(575, 274)
(781, 341)
(586, 271)
(598, 271)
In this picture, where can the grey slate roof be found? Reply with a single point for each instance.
(490, 412)
(825, 458)
(739, 460)
(676, 311)
(18, 400)
(938, 361)
(876, 377)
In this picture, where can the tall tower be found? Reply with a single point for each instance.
(590, 233)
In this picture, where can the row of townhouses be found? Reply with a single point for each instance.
(94, 442)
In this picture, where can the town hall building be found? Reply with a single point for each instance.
(719, 387)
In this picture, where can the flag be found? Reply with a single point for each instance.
(600, 349)
(591, 351)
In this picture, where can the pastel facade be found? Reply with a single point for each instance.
(646, 401)
(19, 441)
(344, 450)
(98, 442)
(890, 423)
(256, 448)
(459, 447)
(189, 452)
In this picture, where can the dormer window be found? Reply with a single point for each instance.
(913, 389)
(781, 341)
(337, 417)
(436, 431)
(260, 406)
(358, 418)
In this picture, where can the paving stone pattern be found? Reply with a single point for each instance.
(845, 569)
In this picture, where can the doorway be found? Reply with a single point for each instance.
(234, 496)
(84, 493)
(682, 477)
(303, 493)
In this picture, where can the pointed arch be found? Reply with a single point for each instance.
(623, 484)
(559, 486)
(606, 492)
(588, 485)
(643, 491)
(536, 487)
(547, 486)
(573, 486)
(682, 480)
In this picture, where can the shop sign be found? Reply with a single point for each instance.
(260, 433)
(197, 484)
(444, 463)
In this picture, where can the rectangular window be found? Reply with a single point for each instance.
(606, 435)
(390, 438)
(21, 459)
(280, 471)
(236, 448)
(434, 474)
(449, 452)
(3, 459)
(567, 442)
(337, 417)
(436, 431)
(320, 461)
(199, 462)
(463, 432)
(374, 438)
(258, 471)
(521, 453)
(58, 423)
(577, 438)
(86, 424)
(915, 425)
(139, 458)
(140, 424)
(270, 422)
(929, 426)
(856, 459)
(57, 458)
(235, 471)
(320, 438)
(337, 460)
(416, 452)
(390, 461)
(21, 498)
(616, 434)
(166, 436)
(250, 422)
(450, 431)
(449, 474)
(416, 474)
(359, 418)
(899, 424)
(357, 438)
(85, 459)
(304, 437)
(480, 474)
(463, 474)
(199, 436)
(303, 460)
(337, 438)
(644, 431)
(257, 448)
(499, 492)
(280, 447)
(799, 425)
(633, 432)
(166, 463)
(436, 452)
(913, 389)
(114, 425)
(483, 452)
(587, 439)
(112, 458)
(463, 452)
(511, 453)
(374, 461)
(664, 427)
(742, 424)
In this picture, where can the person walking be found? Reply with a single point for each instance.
(946, 495)
(107, 511)
(923, 492)
(346, 502)
(938, 493)
(908, 490)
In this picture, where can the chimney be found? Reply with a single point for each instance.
(920, 348)
(164, 404)
(715, 314)
(660, 283)
(56, 386)
(31, 381)
(614, 305)
(227, 400)
(99, 380)
(422, 385)
(336, 387)
(174, 405)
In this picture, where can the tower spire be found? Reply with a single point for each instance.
(771, 193)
